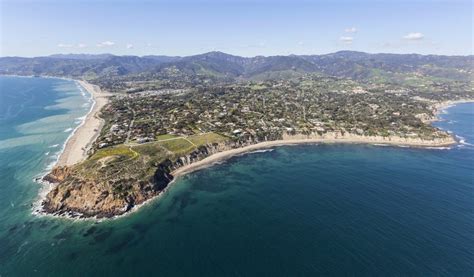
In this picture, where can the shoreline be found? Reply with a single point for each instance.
(225, 155)
(78, 143)
(440, 107)
(83, 136)
(294, 140)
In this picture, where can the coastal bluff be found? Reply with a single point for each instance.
(98, 191)
(76, 195)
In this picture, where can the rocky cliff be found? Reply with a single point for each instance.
(79, 196)
(94, 192)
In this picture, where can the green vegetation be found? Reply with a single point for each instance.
(178, 146)
(150, 149)
(145, 157)
(259, 111)
(166, 136)
(168, 111)
(133, 74)
(207, 138)
(120, 150)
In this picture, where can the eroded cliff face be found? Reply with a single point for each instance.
(79, 196)
(206, 151)
(102, 194)
(58, 174)
(443, 139)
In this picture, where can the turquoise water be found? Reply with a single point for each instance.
(293, 211)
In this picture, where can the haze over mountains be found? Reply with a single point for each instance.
(218, 65)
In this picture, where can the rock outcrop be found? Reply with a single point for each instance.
(78, 196)
(58, 174)
(83, 195)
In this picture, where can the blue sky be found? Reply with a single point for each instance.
(247, 28)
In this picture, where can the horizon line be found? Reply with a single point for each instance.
(222, 52)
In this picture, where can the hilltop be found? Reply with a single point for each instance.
(220, 66)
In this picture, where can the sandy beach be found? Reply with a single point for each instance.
(330, 138)
(81, 140)
(446, 104)
(76, 147)
(291, 140)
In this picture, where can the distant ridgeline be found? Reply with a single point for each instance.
(112, 72)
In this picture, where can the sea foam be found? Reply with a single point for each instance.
(260, 151)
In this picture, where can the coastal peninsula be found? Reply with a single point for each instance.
(128, 165)
(156, 118)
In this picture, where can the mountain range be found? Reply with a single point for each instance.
(218, 65)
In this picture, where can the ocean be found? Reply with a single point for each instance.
(304, 210)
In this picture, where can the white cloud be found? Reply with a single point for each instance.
(106, 43)
(129, 46)
(69, 45)
(414, 36)
(346, 40)
(351, 30)
(300, 43)
(65, 45)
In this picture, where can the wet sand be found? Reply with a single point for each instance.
(291, 140)
(81, 140)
